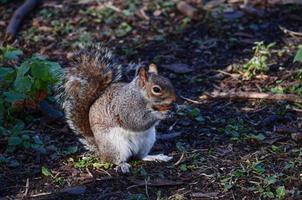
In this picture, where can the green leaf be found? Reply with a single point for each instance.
(123, 29)
(277, 90)
(56, 71)
(270, 180)
(183, 167)
(280, 192)
(194, 112)
(23, 84)
(26, 144)
(23, 69)
(13, 96)
(39, 70)
(12, 54)
(71, 150)
(298, 56)
(18, 127)
(268, 194)
(39, 148)
(45, 171)
(14, 140)
(5, 71)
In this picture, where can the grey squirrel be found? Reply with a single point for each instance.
(117, 119)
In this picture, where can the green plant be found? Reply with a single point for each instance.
(3, 1)
(18, 137)
(56, 179)
(280, 192)
(101, 15)
(84, 38)
(258, 63)
(192, 112)
(123, 29)
(23, 86)
(61, 27)
(88, 161)
(298, 56)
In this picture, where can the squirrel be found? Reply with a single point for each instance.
(117, 119)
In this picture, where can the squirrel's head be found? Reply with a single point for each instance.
(158, 90)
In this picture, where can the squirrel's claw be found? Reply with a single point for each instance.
(123, 167)
(157, 158)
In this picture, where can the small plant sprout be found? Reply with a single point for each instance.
(258, 63)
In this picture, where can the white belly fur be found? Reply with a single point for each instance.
(129, 143)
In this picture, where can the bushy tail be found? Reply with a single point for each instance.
(92, 71)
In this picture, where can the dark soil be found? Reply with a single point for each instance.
(228, 148)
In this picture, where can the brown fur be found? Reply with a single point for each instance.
(91, 72)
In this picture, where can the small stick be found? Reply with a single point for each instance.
(26, 188)
(291, 33)
(41, 194)
(253, 95)
(190, 100)
(18, 16)
(180, 159)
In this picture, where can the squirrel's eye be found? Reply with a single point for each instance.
(156, 89)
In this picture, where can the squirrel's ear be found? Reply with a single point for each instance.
(143, 76)
(153, 69)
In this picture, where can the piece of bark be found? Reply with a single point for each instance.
(253, 95)
(18, 16)
(187, 9)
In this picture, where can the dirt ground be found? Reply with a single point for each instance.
(226, 148)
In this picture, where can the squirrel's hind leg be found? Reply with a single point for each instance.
(113, 147)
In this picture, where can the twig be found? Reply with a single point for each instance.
(26, 188)
(190, 100)
(235, 76)
(172, 126)
(155, 184)
(253, 95)
(168, 136)
(17, 18)
(113, 7)
(41, 194)
(146, 188)
(291, 33)
(179, 160)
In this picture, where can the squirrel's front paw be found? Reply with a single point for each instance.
(123, 167)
